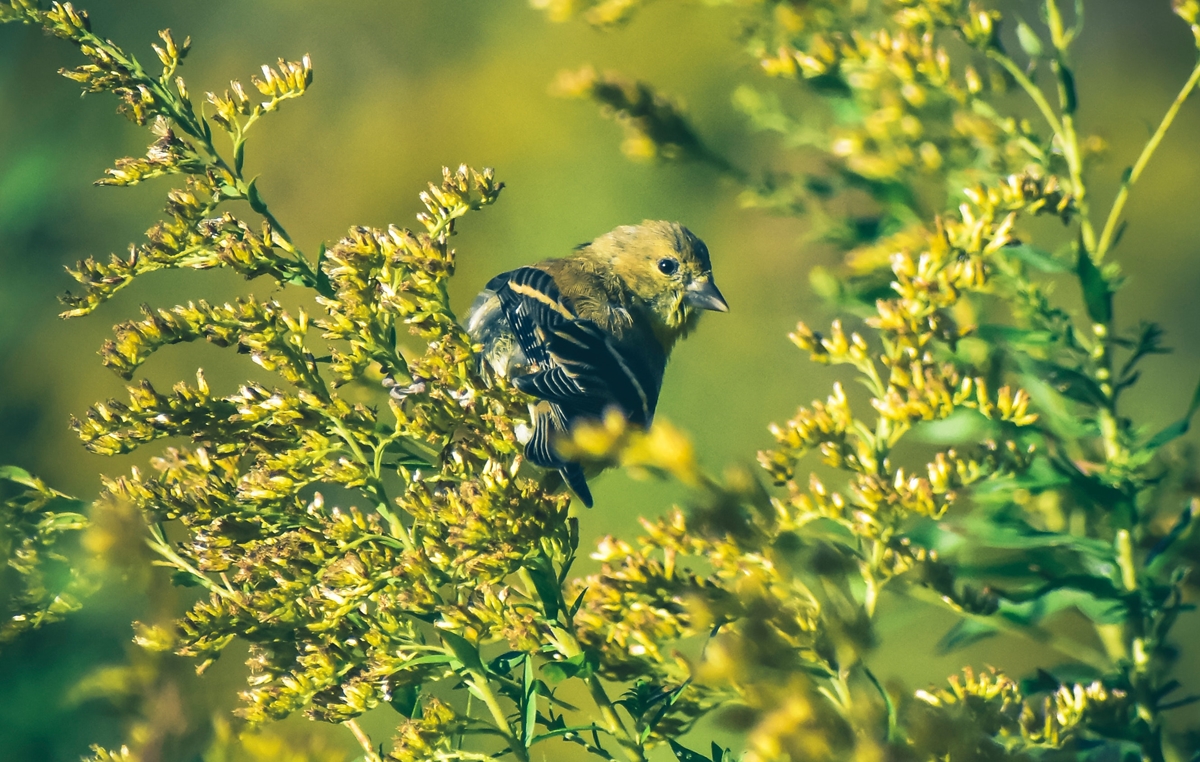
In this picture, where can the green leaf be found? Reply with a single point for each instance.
(577, 604)
(430, 659)
(1177, 704)
(888, 704)
(531, 691)
(1041, 682)
(504, 663)
(1059, 415)
(256, 202)
(324, 287)
(546, 583)
(1070, 100)
(1036, 258)
(1179, 428)
(182, 578)
(1023, 338)
(582, 665)
(1069, 382)
(1182, 524)
(684, 754)
(1029, 40)
(1096, 294)
(404, 699)
(963, 425)
(18, 475)
(964, 633)
(464, 651)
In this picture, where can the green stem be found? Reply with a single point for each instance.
(159, 545)
(570, 647)
(364, 741)
(1069, 138)
(1114, 216)
(480, 684)
(374, 484)
(181, 112)
(1033, 91)
(616, 727)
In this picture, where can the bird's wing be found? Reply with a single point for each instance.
(533, 305)
(579, 367)
(591, 373)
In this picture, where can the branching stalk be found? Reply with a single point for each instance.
(1114, 215)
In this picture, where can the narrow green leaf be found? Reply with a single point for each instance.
(1118, 235)
(404, 699)
(577, 604)
(464, 651)
(324, 287)
(684, 754)
(1096, 294)
(547, 588)
(963, 425)
(184, 579)
(1179, 428)
(582, 665)
(256, 202)
(18, 475)
(557, 671)
(1041, 682)
(530, 703)
(1070, 100)
(1068, 382)
(430, 659)
(1177, 704)
(888, 704)
(504, 663)
(1182, 524)
(964, 633)
(1036, 258)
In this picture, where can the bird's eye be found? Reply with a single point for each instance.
(668, 266)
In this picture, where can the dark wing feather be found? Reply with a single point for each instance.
(577, 365)
(606, 374)
(533, 305)
(577, 368)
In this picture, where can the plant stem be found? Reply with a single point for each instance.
(159, 545)
(1114, 216)
(480, 684)
(364, 740)
(1069, 138)
(616, 727)
(1032, 90)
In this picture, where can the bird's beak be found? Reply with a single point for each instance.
(703, 295)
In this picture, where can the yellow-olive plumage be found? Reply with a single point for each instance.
(593, 330)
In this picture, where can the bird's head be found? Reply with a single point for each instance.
(663, 266)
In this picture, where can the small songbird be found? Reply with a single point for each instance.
(593, 330)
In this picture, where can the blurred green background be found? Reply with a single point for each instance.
(403, 88)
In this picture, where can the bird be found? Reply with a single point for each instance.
(591, 332)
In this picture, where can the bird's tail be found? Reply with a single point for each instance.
(572, 474)
(548, 423)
